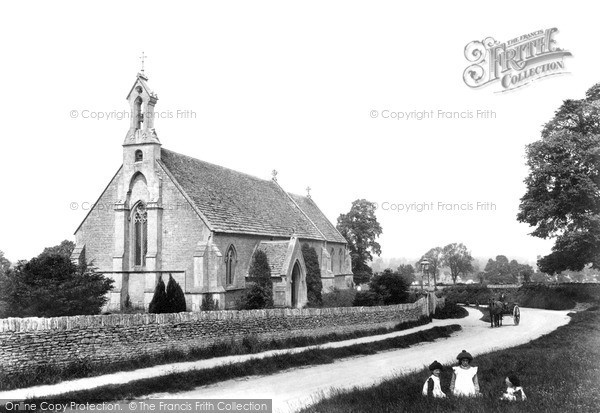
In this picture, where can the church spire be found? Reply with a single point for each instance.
(141, 105)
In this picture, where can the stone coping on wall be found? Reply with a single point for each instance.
(32, 324)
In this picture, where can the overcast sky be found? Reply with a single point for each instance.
(285, 86)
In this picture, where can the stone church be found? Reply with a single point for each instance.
(171, 214)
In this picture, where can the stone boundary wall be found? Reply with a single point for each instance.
(504, 286)
(26, 343)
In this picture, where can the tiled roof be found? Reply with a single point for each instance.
(276, 252)
(235, 202)
(318, 218)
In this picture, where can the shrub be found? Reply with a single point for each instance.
(390, 287)
(365, 299)
(468, 294)
(51, 285)
(158, 304)
(175, 297)
(313, 276)
(450, 310)
(542, 296)
(339, 298)
(208, 303)
(256, 297)
(259, 292)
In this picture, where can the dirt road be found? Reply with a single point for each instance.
(293, 389)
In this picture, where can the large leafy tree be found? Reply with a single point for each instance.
(407, 272)
(458, 259)
(361, 230)
(51, 285)
(562, 199)
(434, 256)
(503, 271)
(314, 285)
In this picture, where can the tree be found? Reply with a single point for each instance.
(389, 287)
(458, 259)
(501, 271)
(50, 285)
(562, 198)
(158, 305)
(434, 256)
(314, 285)
(498, 271)
(361, 229)
(259, 294)
(4, 264)
(65, 248)
(407, 272)
(175, 297)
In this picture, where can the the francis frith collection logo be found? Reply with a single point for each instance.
(514, 63)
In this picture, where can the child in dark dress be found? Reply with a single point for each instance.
(514, 391)
(432, 386)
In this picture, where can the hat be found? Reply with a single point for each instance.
(464, 355)
(435, 366)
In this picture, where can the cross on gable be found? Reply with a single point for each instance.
(143, 58)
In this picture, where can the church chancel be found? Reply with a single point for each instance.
(201, 223)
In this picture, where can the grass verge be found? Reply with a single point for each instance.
(50, 374)
(177, 382)
(558, 371)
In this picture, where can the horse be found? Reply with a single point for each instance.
(496, 309)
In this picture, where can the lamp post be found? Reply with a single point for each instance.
(424, 268)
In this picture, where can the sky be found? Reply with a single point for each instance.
(290, 86)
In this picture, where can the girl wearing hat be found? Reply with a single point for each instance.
(432, 385)
(464, 377)
(514, 391)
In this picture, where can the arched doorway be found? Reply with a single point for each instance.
(295, 285)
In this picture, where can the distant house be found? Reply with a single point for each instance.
(166, 213)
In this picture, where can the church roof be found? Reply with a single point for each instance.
(235, 202)
(276, 252)
(325, 226)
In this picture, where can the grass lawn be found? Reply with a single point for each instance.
(560, 372)
(189, 380)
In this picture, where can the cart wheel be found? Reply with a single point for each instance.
(516, 315)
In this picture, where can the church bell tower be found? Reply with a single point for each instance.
(138, 210)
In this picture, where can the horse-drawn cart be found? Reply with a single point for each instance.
(501, 308)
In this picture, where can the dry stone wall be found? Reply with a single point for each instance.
(26, 343)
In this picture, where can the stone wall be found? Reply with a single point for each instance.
(29, 342)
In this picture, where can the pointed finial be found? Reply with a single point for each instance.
(274, 173)
(308, 188)
(143, 58)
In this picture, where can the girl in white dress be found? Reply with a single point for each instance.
(464, 378)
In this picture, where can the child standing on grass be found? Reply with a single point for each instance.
(514, 391)
(432, 386)
(464, 378)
